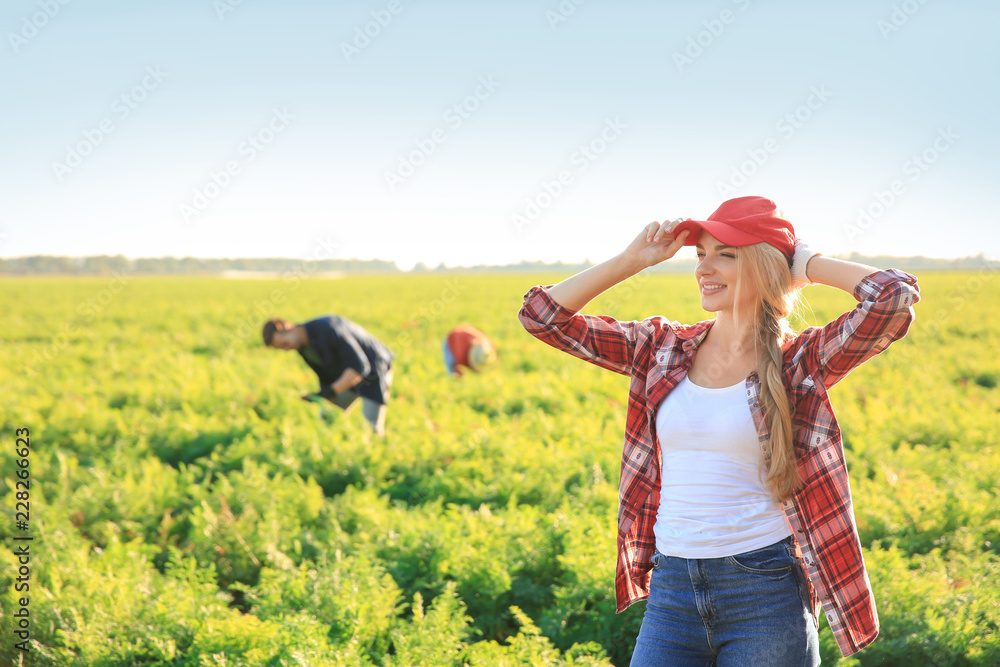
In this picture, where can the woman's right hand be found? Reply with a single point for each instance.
(646, 250)
(655, 243)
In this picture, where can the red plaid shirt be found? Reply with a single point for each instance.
(657, 353)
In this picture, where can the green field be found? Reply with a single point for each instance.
(188, 509)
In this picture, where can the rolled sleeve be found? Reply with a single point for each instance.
(883, 315)
(603, 341)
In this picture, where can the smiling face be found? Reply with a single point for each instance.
(718, 277)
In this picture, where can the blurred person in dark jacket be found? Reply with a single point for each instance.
(349, 361)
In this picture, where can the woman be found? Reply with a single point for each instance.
(735, 517)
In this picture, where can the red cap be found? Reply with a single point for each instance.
(744, 221)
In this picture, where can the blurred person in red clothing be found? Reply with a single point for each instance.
(468, 347)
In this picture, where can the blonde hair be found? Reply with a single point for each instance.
(765, 268)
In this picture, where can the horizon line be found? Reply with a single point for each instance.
(981, 254)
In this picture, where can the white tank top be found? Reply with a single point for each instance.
(713, 500)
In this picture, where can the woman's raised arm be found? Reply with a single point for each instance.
(652, 246)
(838, 273)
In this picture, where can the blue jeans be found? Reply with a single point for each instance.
(449, 358)
(748, 610)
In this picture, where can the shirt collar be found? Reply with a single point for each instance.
(692, 337)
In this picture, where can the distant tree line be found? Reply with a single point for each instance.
(101, 265)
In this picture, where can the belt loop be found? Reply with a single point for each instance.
(790, 546)
(656, 560)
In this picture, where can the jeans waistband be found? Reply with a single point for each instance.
(785, 543)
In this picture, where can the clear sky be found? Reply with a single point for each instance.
(492, 132)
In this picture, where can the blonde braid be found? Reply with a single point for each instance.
(767, 270)
(783, 473)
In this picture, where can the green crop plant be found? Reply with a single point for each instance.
(188, 508)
